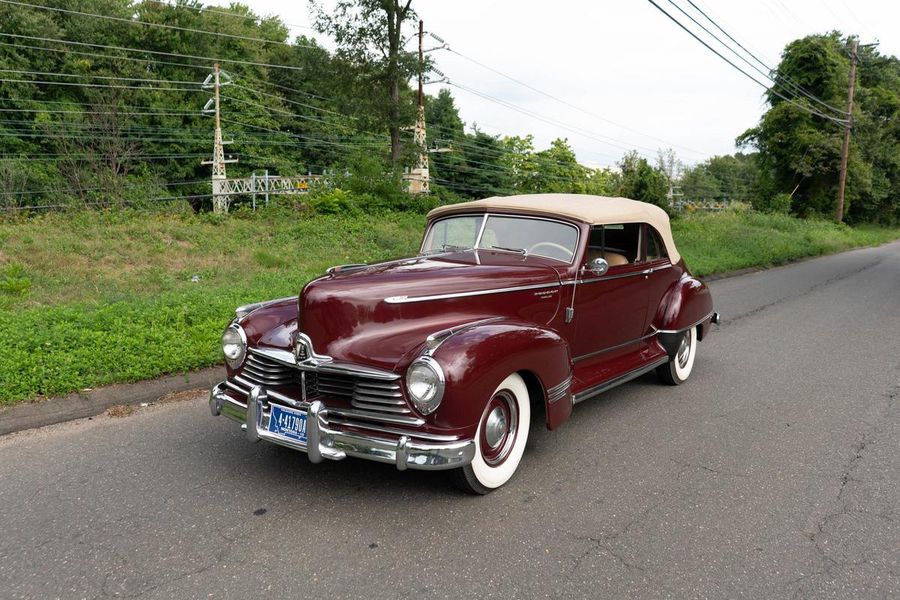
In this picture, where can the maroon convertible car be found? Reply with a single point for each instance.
(515, 306)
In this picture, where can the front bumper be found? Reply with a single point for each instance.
(326, 442)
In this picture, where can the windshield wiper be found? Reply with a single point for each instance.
(521, 251)
(447, 248)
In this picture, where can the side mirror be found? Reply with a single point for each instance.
(599, 266)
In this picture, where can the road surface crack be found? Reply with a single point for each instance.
(603, 542)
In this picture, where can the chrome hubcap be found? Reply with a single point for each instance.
(495, 427)
(684, 350)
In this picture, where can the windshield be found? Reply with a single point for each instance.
(550, 239)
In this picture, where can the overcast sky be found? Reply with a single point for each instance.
(646, 83)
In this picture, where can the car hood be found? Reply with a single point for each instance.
(378, 314)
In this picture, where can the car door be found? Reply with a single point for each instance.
(661, 276)
(611, 309)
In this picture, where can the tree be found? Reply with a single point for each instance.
(640, 181)
(369, 34)
(799, 152)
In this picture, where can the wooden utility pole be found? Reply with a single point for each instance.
(845, 149)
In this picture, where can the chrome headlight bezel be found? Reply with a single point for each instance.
(428, 403)
(240, 343)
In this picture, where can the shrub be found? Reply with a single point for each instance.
(332, 202)
(13, 281)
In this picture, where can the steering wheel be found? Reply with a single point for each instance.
(566, 252)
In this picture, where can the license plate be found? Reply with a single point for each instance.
(288, 423)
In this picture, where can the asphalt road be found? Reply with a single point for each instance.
(773, 473)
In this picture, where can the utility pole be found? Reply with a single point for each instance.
(418, 178)
(845, 149)
(220, 196)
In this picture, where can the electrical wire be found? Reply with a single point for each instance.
(569, 104)
(807, 109)
(153, 52)
(793, 88)
(133, 21)
(100, 85)
(104, 77)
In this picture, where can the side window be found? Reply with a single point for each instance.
(655, 248)
(618, 244)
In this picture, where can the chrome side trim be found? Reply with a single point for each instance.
(559, 391)
(434, 341)
(517, 288)
(606, 385)
(686, 328)
(617, 276)
(616, 347)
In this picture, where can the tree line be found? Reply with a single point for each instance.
(112, 115)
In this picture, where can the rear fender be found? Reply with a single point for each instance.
(687, 303)
(478, 359)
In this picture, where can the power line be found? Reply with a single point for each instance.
(104, 77)
(207, 59)
(99, 188)
(720, 55)
(151, 24)
(150, 61)
(97, 112)
(569, 104)
(615, 143)
(796, 87)
(86, 157)
(99, 85)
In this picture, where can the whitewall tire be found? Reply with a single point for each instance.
(501, 438)
(677, 370)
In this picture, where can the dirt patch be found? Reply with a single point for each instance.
(120, 410)
(181, 396)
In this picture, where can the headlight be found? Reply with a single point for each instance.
(425, 384)
(234, 345)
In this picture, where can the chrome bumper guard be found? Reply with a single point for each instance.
(323, 442)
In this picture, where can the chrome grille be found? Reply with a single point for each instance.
(267, 372)
(364, 393)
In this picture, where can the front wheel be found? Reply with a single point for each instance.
(500, 439)
(677, 370)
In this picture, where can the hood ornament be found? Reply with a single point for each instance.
(304, 353)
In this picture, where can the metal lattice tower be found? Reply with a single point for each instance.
(220, 196)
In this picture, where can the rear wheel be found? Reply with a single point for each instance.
(500, 439)
(677, 370)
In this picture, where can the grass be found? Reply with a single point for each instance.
(732, 240)
(93, 298)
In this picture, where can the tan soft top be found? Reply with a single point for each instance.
(595, 210)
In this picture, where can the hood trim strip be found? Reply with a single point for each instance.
(516, 288)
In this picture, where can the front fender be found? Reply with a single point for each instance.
(478, 359)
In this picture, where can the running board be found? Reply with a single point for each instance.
(606, 385)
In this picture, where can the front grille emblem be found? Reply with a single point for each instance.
(302, 351)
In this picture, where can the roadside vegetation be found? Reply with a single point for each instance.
(91, 298)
